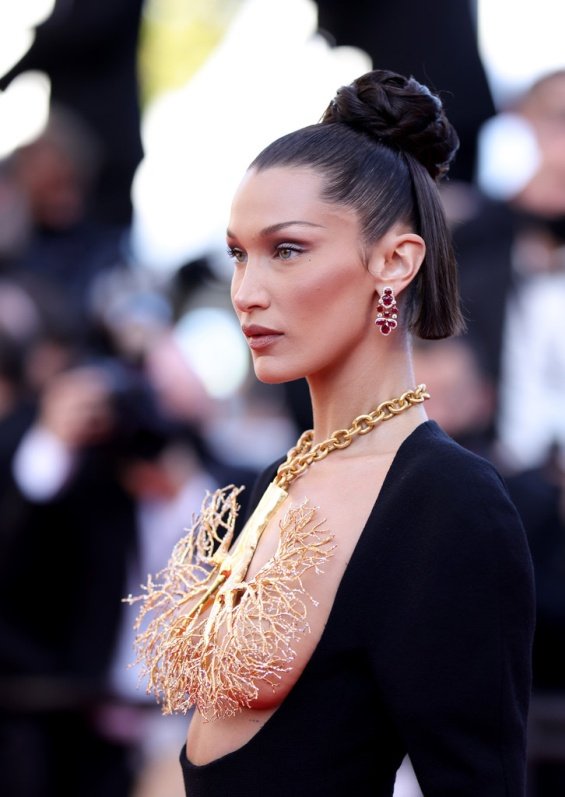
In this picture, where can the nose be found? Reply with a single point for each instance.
(248, 288)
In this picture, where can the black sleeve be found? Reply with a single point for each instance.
(452, 646)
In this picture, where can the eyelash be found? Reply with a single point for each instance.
(234, 252)
(289, 248)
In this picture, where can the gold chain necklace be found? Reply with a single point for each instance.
(298, 460)
(303, 454)
(214, 660)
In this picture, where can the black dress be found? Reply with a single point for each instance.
(426, 651)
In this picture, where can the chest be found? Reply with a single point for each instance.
(341, 497)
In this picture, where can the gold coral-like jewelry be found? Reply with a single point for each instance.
(216, 659)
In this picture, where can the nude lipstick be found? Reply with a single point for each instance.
(259, 337)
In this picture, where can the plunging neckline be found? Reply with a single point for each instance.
(356, 552)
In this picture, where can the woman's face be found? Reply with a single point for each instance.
(300, 288)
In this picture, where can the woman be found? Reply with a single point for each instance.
(379, 601)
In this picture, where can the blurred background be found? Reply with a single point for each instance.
(125, 387)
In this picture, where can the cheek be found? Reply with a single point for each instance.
(345, 293)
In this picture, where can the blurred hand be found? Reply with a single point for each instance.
(76, 407)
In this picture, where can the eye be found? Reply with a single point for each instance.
(236, 254)
(287, 251)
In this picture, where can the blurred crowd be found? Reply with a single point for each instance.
(109, 437)
(105, 460)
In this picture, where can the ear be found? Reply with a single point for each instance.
(395, 259)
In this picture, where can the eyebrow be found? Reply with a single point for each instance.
(279, 226)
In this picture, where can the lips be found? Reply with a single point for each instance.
(260, 337)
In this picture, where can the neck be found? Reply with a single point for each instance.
(339, 397)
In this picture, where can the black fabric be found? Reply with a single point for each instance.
(426, 651)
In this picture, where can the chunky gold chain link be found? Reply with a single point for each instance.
(303, 454)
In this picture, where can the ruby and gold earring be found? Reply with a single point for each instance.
(387, 312)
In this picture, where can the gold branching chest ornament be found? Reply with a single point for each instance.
(206, 636)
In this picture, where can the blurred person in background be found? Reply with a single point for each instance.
(98, 486)
(65, 533)
(14, 218)
(462, 396)
(15, 411)
(64, 249)
(510, 251)
(70, 188)
(88, 49)
(20, 323)
(93, 470)
(138, 317)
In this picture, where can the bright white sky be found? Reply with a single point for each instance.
(276, 82)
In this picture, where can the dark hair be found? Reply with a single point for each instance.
(382, 144)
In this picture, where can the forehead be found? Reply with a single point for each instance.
(276, 194)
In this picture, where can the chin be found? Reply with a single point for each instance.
(271, 375)
(273, 379)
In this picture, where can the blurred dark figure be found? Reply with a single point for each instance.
(196, 283)
(99, 477)
(88, 49)
(67, 528)
(14, 218)
(64, 250)
(436, 42)
(140, 319)
(25, 360)
(462, 396)
(512, 271)
(15, 412)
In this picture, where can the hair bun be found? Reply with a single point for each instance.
(400, 113)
